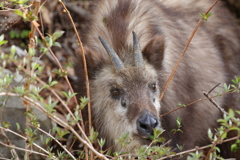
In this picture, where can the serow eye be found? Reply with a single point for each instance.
(115, 93)
(153, 87)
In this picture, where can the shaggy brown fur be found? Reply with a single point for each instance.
(163, 28)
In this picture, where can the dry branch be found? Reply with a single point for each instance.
(213, 102)
(183, 52)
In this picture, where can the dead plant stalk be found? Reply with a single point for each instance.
(86, 75)
(184, 51)
(35, 24)
(32, 44)
(57, 120)
(84, 65)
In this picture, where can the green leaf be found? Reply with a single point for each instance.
(18, 126)
(57, 44)
(49, 79)
(6, 124)
(217, 149)
(179, 122)
(84, 102)
(31, 51)
(231, 113)
(3, 42)
(93, 135)
(238, 112)
(57, 34)
(65, 94)
(68, 116)
(180, 147)
(226, 87)
(101, 142)
(235, 128)
(236, 80)
(224, 135)
(210, 134)
(205, 16)
(45, 86)
(50, 42)
(182, 105)
(13, 49)
(157, 132)
(18, 12)
(234, 147)
(53, 83)
(19, 1)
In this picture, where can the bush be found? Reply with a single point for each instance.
(25, 75)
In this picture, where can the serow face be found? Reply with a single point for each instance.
(126, 100)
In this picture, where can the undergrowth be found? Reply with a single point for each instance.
(31, 88)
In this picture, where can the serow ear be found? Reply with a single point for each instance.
(154, 51)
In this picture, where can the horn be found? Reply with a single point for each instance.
(138, 58)
(116, 61)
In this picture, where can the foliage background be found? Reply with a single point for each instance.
(53, 18)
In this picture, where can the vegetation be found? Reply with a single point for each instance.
(62, 106)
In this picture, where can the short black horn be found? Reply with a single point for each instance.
(138, 58)
(116, 61)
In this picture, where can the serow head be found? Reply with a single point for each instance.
(125, 98)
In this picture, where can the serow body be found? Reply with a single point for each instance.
(131, 48)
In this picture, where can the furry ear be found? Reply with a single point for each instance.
(154, 51)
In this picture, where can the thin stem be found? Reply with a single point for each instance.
(39, 147)
(26, 150)
(183, 52)
(8, 142)
(85, 141)
(188, 105)
(199, 148)
(32, 44)
(86, 75)
(213, 102)
(84, 65)
(49, 135)
(59, 65)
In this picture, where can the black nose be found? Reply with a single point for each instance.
(146, 123)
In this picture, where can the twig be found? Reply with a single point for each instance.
(35, 24)
(54, 93)
(32, 44)
(199, 148)
(85, 72)
(213, 88)
(13, 151)
(213, 102)
(62, 102)
(184, 51)
(8, 130)
(49, 135)
(59, 65)
(1, 158)
(57, 120)
(84, 65)
(215, 143)
(187, 151)
(188, 105)
(26, 150)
